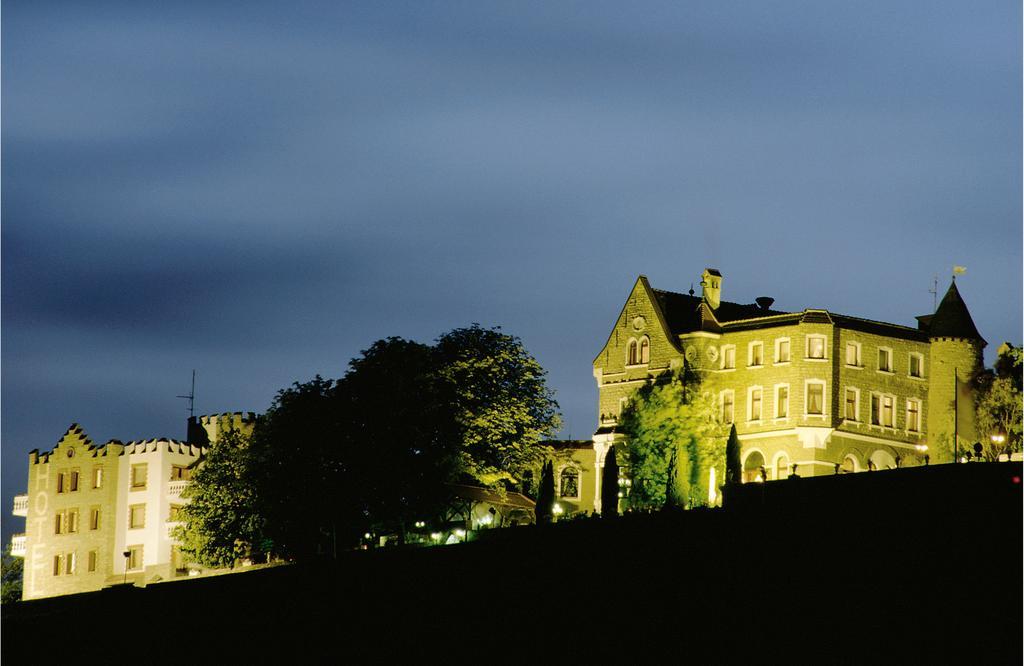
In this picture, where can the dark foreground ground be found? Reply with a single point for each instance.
(917, 567)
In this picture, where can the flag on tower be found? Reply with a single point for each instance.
(959, 270)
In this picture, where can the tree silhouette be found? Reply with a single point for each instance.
(546, 494)
(610, 485)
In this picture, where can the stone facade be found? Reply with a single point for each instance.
(87, 505)
(813, 391)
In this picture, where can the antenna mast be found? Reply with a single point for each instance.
(191, 397)
(934, 291)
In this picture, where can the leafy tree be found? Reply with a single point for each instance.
(666, 416)
(12, 574)
(733, 465)
(220, 524)
(546, 494)
(999, 402)
(610, 485)
(501, 406)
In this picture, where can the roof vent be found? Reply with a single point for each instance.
(764, 302)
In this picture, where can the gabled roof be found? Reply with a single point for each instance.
(476, 494)
(951, 319)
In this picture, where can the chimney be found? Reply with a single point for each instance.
(764, 302)
(711, 282)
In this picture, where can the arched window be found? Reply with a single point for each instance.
(570, 483)
(753, 467)
(645, 350)
(782, 467)
(849, 465)
(631, 353)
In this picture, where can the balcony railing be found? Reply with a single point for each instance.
(18, 545)
(21, 505)
(174, 488)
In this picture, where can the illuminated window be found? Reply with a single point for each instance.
(174, 515)
(134, 557)
(73, 481)
(727, 406)
(853, 354)
(888, 411)
(57, 565)
(70, 563)
(180, 473)
(781, 401)
(754, 400)
(849, 465)
(876, 409)
(728, 357)
(97, 477)
(72, 521)
(645, 350)
(782, 350)
(816, 346)
(61, 483)
(92, 560)
(570, 483)
(139, 476)
(914, 415)
(58, 523)
(136, 516)
(884, 359)
(815, 405)
(916, 365)
(755, 355)
(852, 400)
(94, 518)
(882, 410)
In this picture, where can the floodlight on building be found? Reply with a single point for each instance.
(998, 438)
(921, 448)
(557, 509)
(420, 524)
(486, 519)
(436, 536)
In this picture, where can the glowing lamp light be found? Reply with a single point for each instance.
(557, 509)
(436, 536)
(1016, 480)
(367, 535)
(998, 439)
(921, 448)
(420, 524)
(487, 519)
(460, 532)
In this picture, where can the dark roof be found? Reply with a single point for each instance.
(568, 443)
(475, 494)
(952, 320)
(683, 312)
(879, 328)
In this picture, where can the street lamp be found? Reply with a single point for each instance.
(127, 559)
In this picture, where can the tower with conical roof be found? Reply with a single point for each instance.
(956, 353)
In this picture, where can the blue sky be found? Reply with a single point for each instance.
(259, 194)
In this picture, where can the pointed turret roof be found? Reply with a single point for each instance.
(951, 319)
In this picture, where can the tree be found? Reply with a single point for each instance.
(999, 410)
(671, 415)
(733, 466)
(610, 485)
(220, 524)
(12, 574)
(501, 405)
(546, 494)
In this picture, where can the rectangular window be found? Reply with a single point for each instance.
(756, 354)
(61, 483)
(92, 560)
(815, 346)
(887, 411)
(74, 481)
(815, 399)
(782, 350)
(72, 521)
(728, 358)
(134, 557)
(876, 404)
(58, 524)
(179, 473)
(852, 354)
(138, 476)
(727, 407)
(97, 477)
(914, 415)
(885, 360)
(916, 363)
(94, 518)
(755, 404)
(174, 515)
(782, 402)
(57, 565)
(851, 404)
(70, 563)
(136, 516)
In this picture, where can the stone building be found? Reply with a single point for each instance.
(88, 505)
(813, 391)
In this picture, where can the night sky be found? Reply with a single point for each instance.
(261, 191)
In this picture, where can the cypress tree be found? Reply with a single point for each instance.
(733, 468)
(610, 486)
(672, 499)
(546, 494)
